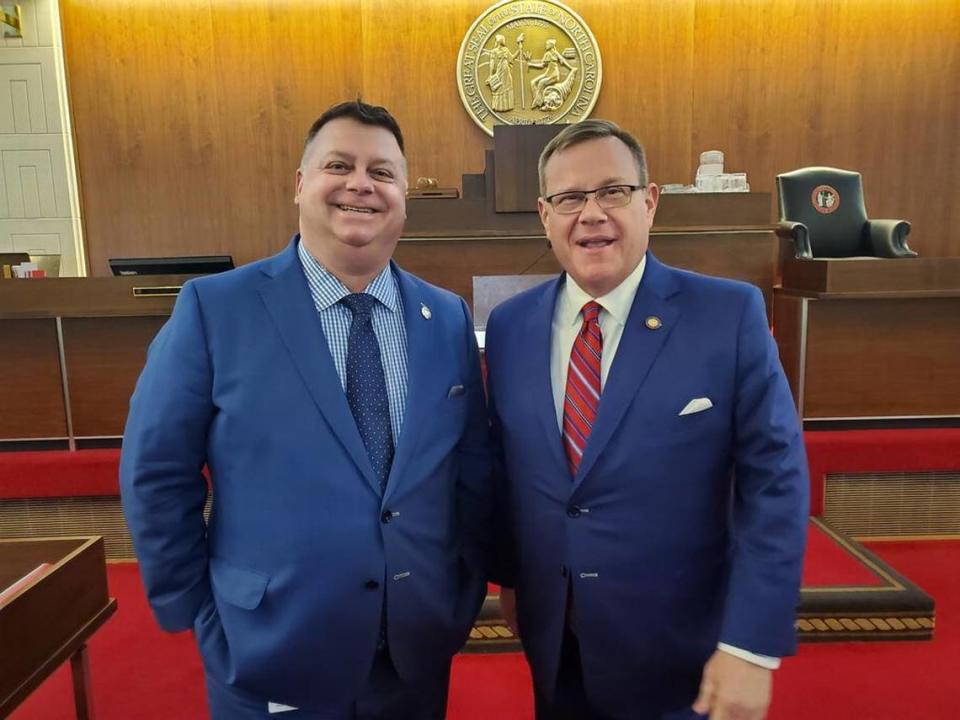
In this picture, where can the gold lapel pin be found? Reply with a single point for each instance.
(653, 322)
(425, 311)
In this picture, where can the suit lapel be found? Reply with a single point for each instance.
(639, 347)
(289, 304)
(423, 345)
(534, 370)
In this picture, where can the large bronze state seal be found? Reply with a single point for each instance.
(528, 62)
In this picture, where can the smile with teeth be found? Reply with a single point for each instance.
(592, 243)
(352, 208)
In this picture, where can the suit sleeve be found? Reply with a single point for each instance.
(771, 497)
(162, 486)
(475, 491)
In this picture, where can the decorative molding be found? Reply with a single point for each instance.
(29, 102)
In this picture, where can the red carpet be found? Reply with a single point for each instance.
(828, 564)
(140, 673)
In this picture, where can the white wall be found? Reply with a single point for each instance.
(39, 207)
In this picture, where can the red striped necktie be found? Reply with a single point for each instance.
(582, 396)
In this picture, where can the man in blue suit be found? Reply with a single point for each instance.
(337, 404)
(653, 463)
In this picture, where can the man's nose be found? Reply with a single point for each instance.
(592, 212)
(359, 181)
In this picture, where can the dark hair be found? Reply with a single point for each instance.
(592, 130)
(362, 113)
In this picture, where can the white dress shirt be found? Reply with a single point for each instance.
(615, 308)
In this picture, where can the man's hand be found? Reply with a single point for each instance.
(734, 689)
(508, 606)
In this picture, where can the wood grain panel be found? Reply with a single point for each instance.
(869, 86)
(104, 360)
(882, 358)
(747, 256)
(788, 330)
(453, 263)
(189, 116)
(32, 393)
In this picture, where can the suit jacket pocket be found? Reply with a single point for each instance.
(237, 586)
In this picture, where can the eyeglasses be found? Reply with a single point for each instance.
(611, 196)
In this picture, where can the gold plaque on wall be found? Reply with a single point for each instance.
(528, 62)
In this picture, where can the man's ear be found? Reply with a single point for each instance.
(651, 200)
(544, 218)
(298, 187)
(542, 211)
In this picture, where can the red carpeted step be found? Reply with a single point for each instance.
(59, 473)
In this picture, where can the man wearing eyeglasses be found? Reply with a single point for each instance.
(651, 460)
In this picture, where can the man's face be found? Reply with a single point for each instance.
(351, 191)
(597, 247)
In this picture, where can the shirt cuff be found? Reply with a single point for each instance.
(764, 661)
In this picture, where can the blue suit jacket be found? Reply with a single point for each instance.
(284, 587)
(666, 552)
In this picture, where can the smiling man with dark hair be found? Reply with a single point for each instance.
(337, 402)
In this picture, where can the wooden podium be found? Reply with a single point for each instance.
(50, 619)
(871, 341)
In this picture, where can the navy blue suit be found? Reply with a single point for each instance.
(285, 587)
(678, 531)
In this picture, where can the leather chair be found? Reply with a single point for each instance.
(822, 212)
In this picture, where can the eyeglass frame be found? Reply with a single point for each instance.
(586, 196)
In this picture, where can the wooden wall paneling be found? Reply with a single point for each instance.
(409, 50)
(453, 263)
(788, 330)
(750, 256)
(784, 85)
(882, 358)
(278, 70)
(189, 116)
(104, 359)
(31, 392)
(648, 52)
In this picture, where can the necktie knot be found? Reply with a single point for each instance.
(591, 312)
(360, 304)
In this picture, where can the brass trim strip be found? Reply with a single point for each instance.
(870, 564)
(908, 538)
(157, 290)
(64, 381)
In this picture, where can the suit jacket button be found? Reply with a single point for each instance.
(573, 511)
(371, 584)
(386, 517)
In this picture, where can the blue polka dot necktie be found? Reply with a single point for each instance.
(367, 386)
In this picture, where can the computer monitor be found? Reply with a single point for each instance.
(188, 265)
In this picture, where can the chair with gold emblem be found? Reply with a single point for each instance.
(822, 212)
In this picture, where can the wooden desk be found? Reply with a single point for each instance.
(51, 619)
(871, 340)
(72, 351)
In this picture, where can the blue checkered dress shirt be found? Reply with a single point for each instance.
(388, 326)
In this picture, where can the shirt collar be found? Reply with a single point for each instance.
(617, 302)
(327, 290)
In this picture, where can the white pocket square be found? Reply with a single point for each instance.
(274, 707)
(696, 405)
